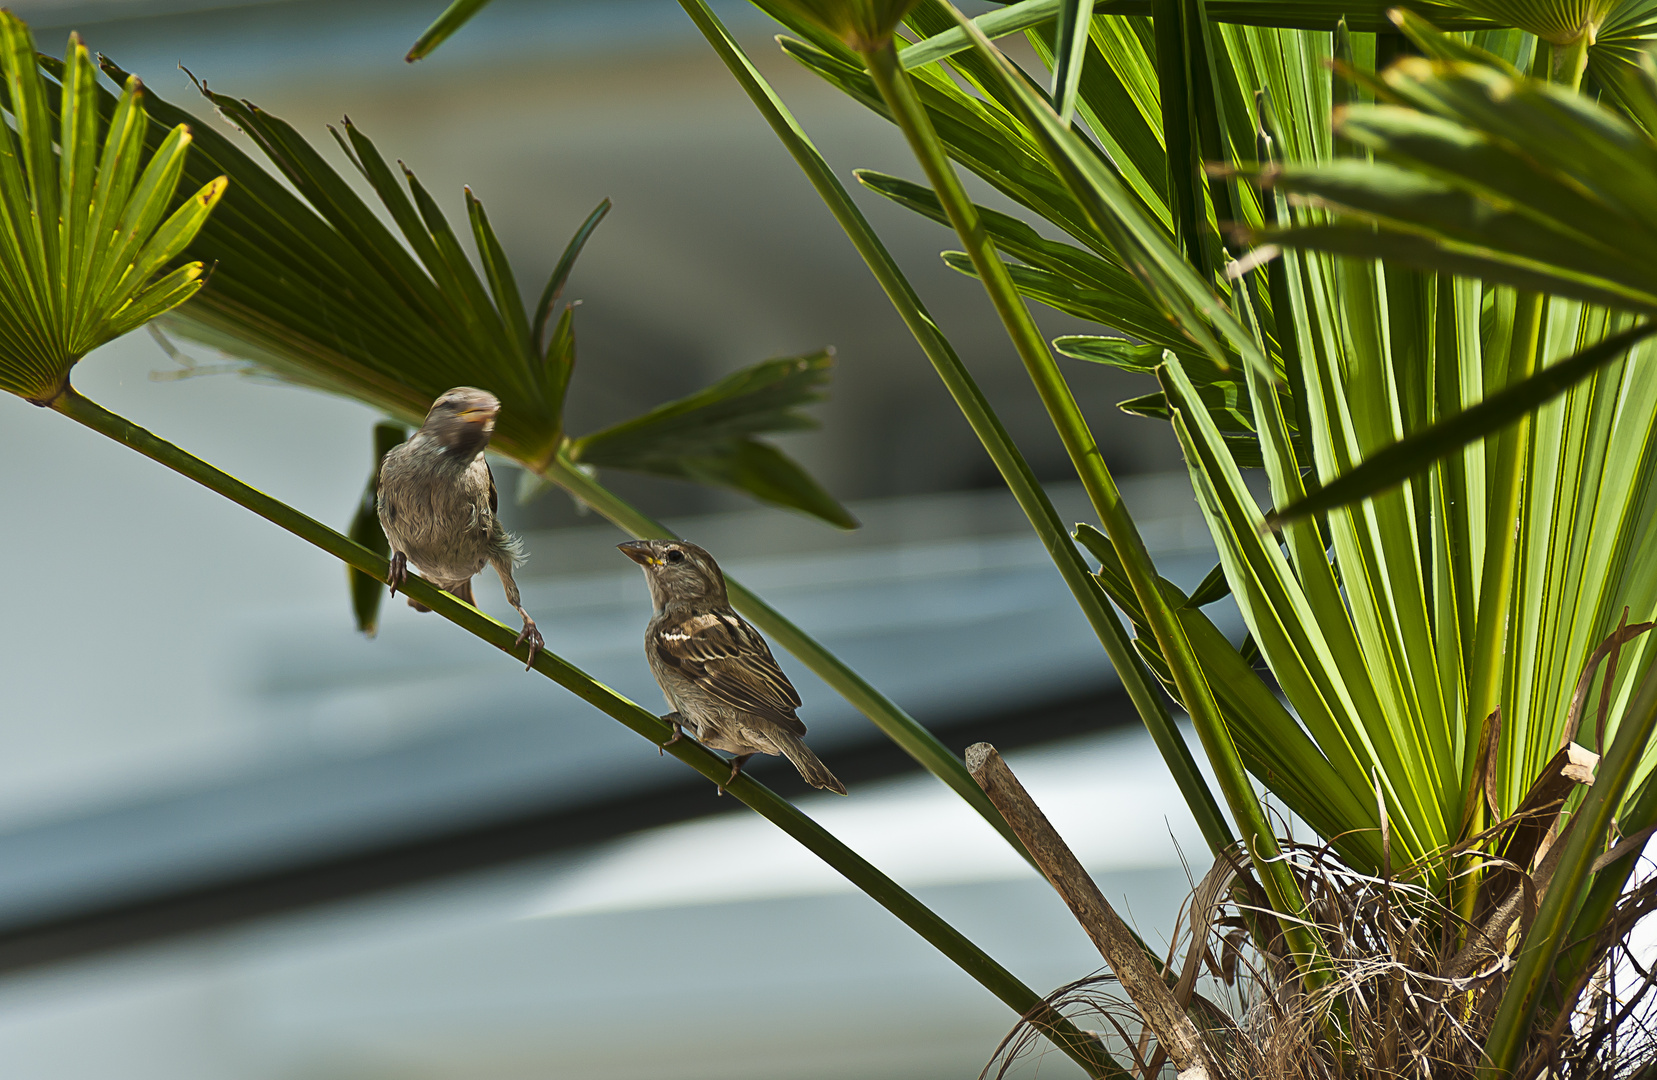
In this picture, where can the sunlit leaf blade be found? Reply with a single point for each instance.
(77, 166)
(1070, 46)
(171, 238)
(85, 229)
(560, 357)
(367, 592)
(456, 15)
(1117, 352)
(1412, 455)
(1267, 737)
(561, 272)
(503, 286)
(992, 24)
(709, 436)
(1441, 253)
(159, 296)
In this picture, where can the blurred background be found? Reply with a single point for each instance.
(238, 840)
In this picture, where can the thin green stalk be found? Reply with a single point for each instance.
(1031, 497)
(899, 726)
(1194, 691)
(1084, 1049)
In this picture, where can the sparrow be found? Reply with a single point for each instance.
(715, 670)
(437, 504)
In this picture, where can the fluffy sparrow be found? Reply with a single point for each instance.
(715, 670)
(437, 504)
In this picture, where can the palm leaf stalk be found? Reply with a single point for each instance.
(1083, 1048)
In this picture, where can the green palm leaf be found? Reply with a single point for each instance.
(315, 288)
(86, 236)
(708, 436)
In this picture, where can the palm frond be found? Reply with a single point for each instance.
(313, 287)
(88, 226)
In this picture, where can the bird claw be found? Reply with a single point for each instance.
(736, 767)
(532, 637)
(678, 733)
(398, 572)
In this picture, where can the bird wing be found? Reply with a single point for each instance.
(494, 496)
(728, 659)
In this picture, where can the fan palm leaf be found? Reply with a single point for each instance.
(88, 225)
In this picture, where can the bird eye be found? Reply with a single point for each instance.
(675, 555)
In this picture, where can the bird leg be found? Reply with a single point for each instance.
(529, 634)
(736, 767)
(398, 572)
(678, 732)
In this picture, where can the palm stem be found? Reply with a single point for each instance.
(1190, 681)
(1571, 61)
(1031, 497)
(886, 892)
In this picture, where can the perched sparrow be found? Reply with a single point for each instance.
(715, 670)
(437, 504)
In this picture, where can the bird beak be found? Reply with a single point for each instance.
(639, 552)
(480, 414)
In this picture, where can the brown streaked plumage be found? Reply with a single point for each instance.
(437, 504)
(715, 670)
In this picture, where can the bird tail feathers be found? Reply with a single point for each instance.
(815, 772)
